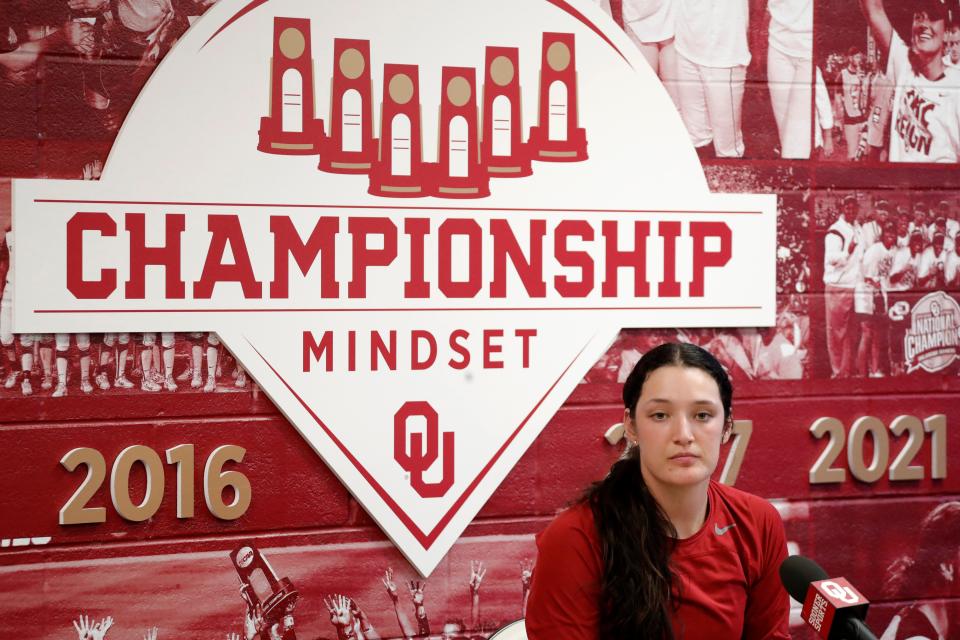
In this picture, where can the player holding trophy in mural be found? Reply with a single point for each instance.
(270, 614)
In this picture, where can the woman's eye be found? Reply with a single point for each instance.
(659, 415)
(704, 415)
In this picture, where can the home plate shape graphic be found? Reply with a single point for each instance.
(416, 227)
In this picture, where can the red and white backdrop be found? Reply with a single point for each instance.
(846, 406)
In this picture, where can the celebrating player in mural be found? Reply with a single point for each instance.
(926, 112)
(853, 98)
(870, 302)
(14, 373)
(951, 56)
(405, 627)
(650, 24)
(27, 357)
(936, 559)
(702, 53)
(349, 619)
(789, 70)
(87, 93)
(841, 261)
(712, 60)
(883, 259)
(87, 629)
(657, 545)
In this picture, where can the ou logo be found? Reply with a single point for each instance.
(841, 593)
(899, 310)
(418, 459)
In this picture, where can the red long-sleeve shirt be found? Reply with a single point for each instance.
(728, 572)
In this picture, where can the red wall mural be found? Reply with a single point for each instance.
(847, 408)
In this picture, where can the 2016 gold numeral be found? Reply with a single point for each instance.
(215, 482)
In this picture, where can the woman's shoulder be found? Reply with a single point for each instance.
(745, 506)
(576, 518)
(572, 526)
(565, 589)
(570, 545)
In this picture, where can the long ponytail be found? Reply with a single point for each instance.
(636, 538)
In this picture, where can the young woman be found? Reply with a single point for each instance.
(926, 116)
(657, 549)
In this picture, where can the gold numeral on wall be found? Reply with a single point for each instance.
(75, 510)
(937, 425)
(742, 431)
(823, 470)
(120, 483)
(182, 456)
(902, 469)
(217, 483)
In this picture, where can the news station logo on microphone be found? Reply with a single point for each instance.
(416, 225)
(826, 598)
(831, 606)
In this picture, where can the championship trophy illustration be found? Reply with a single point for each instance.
(275, 597)
(350, 147)
(398, 171)
(503, 152)
(467, 157)
(557, 138)
(291, 128)
(458, 173)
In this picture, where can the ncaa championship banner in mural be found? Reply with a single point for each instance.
(417, 226)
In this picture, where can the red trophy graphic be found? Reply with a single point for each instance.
(398, 171)
(556, 138)
(291, 128)
(503, 152)
(350, 147)
(459, 173)
(276, 597)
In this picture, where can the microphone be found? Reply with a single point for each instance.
(831, 606)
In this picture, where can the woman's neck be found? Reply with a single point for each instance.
(930, 66)
(686, 507)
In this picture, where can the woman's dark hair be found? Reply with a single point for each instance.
(638, 587)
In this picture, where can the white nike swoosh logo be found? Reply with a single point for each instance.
(720, 531)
